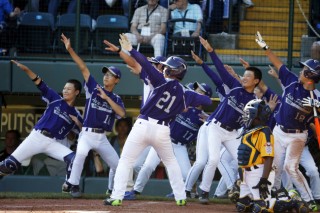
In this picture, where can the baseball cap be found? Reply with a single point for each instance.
(204, 87)
(115, 71)
(157, 59)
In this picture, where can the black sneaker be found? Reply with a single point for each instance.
(204, 197)
(188, 194)
(66, 187)
(75, 191)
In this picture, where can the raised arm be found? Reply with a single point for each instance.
(132, 63)
(34, 77)
(277, 63)
(82, 66)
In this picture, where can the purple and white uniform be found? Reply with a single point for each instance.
(98, 119)
(290, 132)
(54, 124)
(167, 99)
(222, 126)
(183, 131)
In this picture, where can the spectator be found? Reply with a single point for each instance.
(148, 26)
(11, 142)
(123, 127)
(54, 5)
(137, 3)
(315, 50)
(183, 9)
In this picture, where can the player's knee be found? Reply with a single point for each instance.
(244, 204)
(259, 206)
(9, 165)
(213, 161)
(290, 168)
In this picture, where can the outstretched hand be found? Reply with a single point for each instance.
(273, 73)
(205, 44)
(244, 63)
(111, 47)
(101, 93)
(261, 42)
(196, 58)
(66, 41)
(125, 43)
(273, 101)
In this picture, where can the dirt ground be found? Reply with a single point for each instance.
(85, 205)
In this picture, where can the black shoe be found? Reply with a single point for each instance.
(66, 187)
(204, 197)
(75, 191)
(188, 194)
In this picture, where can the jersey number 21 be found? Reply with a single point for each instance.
(165, 99)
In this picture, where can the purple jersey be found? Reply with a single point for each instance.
(185, 127)
(229, 112)
(266, 97)
(55, 118)
(169, 97)
(98, 113)
(292, 114)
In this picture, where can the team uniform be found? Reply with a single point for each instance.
(222, 128)
(290, 132)
(167, 99)
(182, 131)
(201, 146)
(54, 124)
(98, 118)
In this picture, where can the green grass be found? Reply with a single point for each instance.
(44, 195)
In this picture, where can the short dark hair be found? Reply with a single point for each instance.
(76, 83)
(257, 73)
(16, 132)
(126, 120)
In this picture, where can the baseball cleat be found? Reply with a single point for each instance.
(75, 191)
(129, 195)
(204, 197)
(108, 193)
(66, 187)
(181, 202)
(294, 195)
(312, 206)
(171, 195)
(234, 193)
(112, 202)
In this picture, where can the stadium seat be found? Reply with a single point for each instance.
(180, 45)
(109, 27)
(66, 24)
(36, 32)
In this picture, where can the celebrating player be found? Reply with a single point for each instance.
(59, 118)
(151, 128)
(102, 107)
(292, 120)
(224, 122)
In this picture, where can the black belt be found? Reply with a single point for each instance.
(95, 130)
(165, 123)
(46, 133)
(290, 130)
(223, 126)
(249, 168)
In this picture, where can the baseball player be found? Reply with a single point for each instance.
(59, 118)
(167, 99)
(182, 131)
(292, 120)
(255, 157)
(102, 107)
(224, 122)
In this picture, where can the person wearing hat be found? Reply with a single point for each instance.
(102, 108)
(292, 119)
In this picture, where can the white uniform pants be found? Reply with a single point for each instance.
(99, 143)
(288, 149)
(143, 134)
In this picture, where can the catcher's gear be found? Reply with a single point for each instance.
(263, 188)
(9, 165)
(244, 204)
(261, 42)
(256, 108)
(234, 193)
(310, 102)
(204, 87)
(313, 71)
(259, 206)
(176, 67)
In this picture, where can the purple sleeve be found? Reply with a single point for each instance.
(156, 78)
(230, 81)
(7, 7)
(194, 99)
(48, 95)
(91, 84)
(286, 76)
(143, 76)
(212, 75)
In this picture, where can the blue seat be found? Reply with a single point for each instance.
(109, 27)
(66, 24)
(36, 32)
